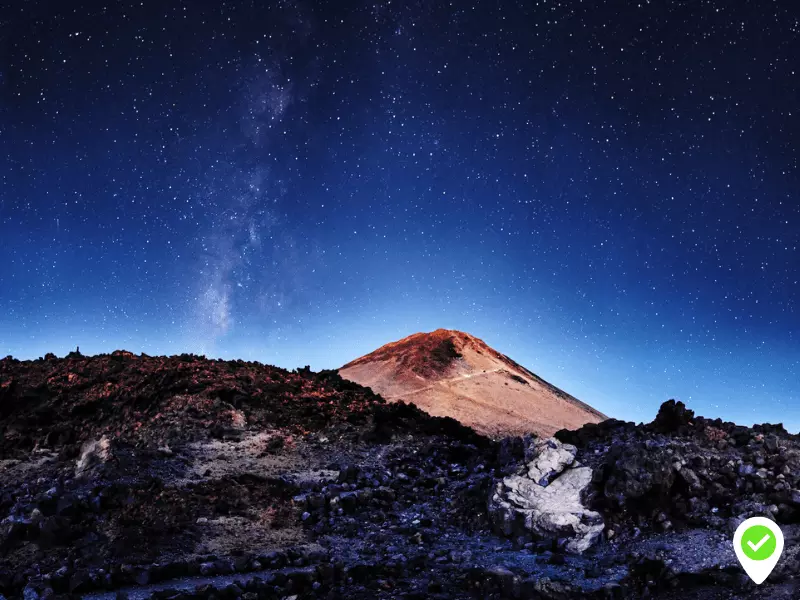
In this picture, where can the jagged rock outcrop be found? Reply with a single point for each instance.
(682, 471)
(544, 499)
(672, 416)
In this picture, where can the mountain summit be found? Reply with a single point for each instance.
(452, 373)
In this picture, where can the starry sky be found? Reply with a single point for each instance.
(605, 191)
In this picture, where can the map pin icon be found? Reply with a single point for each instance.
(758, 543)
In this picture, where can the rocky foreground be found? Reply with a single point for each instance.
(182, 477)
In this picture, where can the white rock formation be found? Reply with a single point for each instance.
(93, 452)
(544, 499)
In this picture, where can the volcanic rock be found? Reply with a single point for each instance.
(548, 459)
(292, 483)
(672, 416)
(93, 453)
(544, 500)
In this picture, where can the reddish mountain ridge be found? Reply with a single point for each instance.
(452, 373)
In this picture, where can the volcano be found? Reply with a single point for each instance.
(450, 373)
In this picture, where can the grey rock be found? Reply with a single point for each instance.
(30, 593)
(550, 457)
(691, 478)
(771, 443)
(746, 469)
(521, 504)
(93, 453)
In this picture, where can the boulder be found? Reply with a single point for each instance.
(544, 499)
(548, 458)
(93, 453)
(672, 416)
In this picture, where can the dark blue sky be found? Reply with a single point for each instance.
(605, 191)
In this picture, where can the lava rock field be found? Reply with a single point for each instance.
(133, 476)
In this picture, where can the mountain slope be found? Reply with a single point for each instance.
(452, 373)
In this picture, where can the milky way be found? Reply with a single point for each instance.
(606, 192)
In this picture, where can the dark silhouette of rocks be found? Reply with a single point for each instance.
(185, 477)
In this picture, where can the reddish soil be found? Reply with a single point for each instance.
(452, 373)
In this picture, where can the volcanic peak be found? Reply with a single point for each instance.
(452, 373)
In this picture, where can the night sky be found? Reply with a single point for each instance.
(605, 191)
